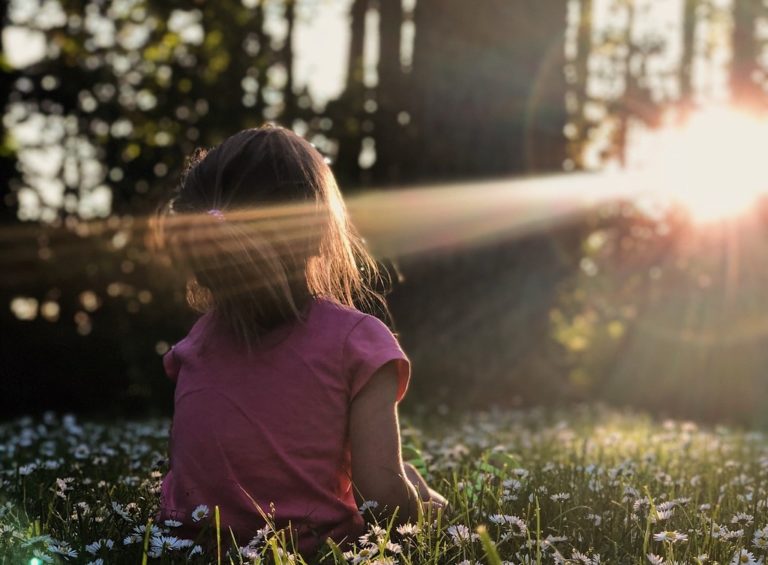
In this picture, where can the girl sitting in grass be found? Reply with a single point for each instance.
(286, 394)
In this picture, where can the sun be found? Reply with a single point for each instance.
(715, 166)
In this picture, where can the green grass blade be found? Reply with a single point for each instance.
(147, 533)
(217, 518)
(491, 555)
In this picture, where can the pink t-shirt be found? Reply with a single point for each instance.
(271, 426)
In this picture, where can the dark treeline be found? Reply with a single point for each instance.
(128, 89)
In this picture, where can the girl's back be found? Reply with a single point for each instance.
(265, 430)
(272, 411)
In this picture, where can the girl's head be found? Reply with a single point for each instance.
(259, 227)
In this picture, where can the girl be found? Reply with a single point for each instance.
(286, 395)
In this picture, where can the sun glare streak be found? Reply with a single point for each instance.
(713, 166)
(428, 218)
(395, 221)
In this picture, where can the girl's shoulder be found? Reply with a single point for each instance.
(367, 344)
(349, 325)
(177, 353)
(199, 329)
(333, 314)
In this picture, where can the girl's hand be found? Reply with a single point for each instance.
(426, 494)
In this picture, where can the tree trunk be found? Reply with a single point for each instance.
(8, 203)
(579, 89)
(347, 111)
(263, 56)
(388, 94)
(745, 92)
(289, 96)
(687, 93)
(488, 98)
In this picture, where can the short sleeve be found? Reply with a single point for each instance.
(369, 346)
(171, 364)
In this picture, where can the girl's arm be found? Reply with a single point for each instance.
(378, 472)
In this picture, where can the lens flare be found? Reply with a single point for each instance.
(395, 221)
(713, 166)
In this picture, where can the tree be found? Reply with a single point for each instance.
(745, 90)
(7, 151)
(486, 97)
(577, 76)
(347, 111)
(690, 21)
(487, 89)
(390, 91)
(636, 103)
(144, 95)
(290, 107)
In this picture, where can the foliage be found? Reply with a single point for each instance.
(662, 314)
(126, 89)
(586, 486)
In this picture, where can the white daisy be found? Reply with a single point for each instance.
(62, 548)
(93, 548)
(742, 519)
(368, 505)
(408, 529)
(670, 536)
(172, 523)
(120, 511)
(745, 557)
(365, 554)
(461, 534)
(200, 512)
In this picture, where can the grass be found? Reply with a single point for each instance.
(585, 486)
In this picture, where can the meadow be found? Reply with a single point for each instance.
(584, 486)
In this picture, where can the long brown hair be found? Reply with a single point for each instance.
(260, 228)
